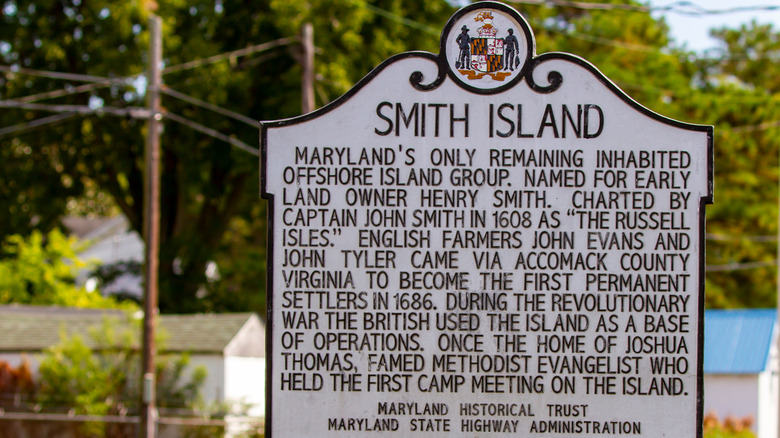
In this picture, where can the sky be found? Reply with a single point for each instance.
(693, 31)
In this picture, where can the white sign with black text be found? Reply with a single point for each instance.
(485, 242)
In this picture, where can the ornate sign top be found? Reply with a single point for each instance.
(486, 47)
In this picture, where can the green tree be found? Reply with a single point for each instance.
(41, 270)
(211, 210)
(736, 92)
(101, 376)
(209, 189)
(739, 95)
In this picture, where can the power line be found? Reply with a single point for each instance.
(213, 133)
(24, 127)
(696, 10)
(584, 5)
(70, 90)
(760, 127)
(135, 112)
(729, 238)
(235, 53)
(681, 7)
(741, 266)
(100, 82)
(225, 112)
(174, 68)
(604, 41)
(53, 74)
(395, 17)
(139, 112)
(650, 49)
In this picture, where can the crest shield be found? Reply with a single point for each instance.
(487, 54)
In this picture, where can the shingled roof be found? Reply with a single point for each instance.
(35, 328)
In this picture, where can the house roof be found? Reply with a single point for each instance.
(35, 328)
(737, 341)
(91, 228)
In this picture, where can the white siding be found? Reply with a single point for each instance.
(214, 386)
(245, 383)
(768, 393)
(731, 396)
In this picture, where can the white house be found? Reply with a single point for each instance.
(230, 346)
(741, 367)
(109, 241)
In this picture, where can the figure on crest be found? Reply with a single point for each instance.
(464, 42)
(511, 47)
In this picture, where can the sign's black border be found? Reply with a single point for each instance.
(554, 79)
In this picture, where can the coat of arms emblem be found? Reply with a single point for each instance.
(488, 53)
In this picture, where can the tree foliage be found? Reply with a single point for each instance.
(740, 97)
(41, 270)
(209, 189)
(211, 210)
(736, 92)
(104, 378)
(730, 427)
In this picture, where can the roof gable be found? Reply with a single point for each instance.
(737, 341)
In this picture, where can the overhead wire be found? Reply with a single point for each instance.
(680, 7)
(53, 74)
(741, 266)
(137, 112)
(604, 41)
(203, 104)
(759, 127)
(65, 91)
(27, 126)
(211, 132)
(730, 238)
(69, 111)
(397, 18)
(235, 53)
(99, 81)
(171, 69)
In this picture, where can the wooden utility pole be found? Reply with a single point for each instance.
(148, 426)
(307, 83)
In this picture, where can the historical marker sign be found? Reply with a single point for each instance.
(485, 242)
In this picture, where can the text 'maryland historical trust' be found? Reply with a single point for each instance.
(485, 242)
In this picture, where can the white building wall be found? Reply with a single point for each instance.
(732, 396)
(214, 387)
(768, 393)
(767, 405)
(239, 381)
(245, 388)
(16, 359)
(245, 383)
